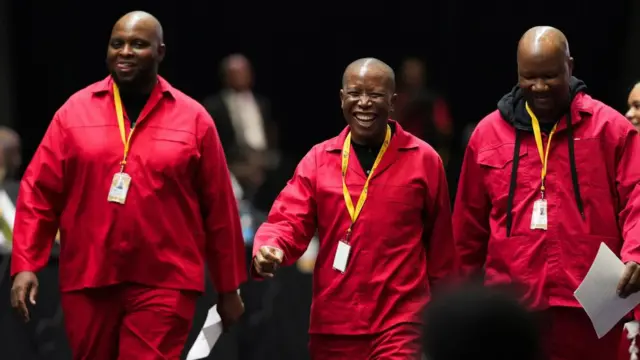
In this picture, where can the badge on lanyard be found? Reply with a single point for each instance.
(342, 252)
(119, 188)
(342, 256)
(121, 180)
(539, 214)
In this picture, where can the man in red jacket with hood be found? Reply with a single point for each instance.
(546, 179)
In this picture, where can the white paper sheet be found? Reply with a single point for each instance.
(597, 293)
(208, 336)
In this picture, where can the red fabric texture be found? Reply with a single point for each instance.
(124, 322)
(401, 342)
(568, 334)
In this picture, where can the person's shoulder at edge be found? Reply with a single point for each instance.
(604, 113)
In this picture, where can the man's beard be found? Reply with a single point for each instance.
(139, 83)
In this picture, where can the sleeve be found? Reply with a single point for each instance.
(471, 213)
(292, 220)
(39, 203)
(438, 235)
(628, 188)
(224, 247)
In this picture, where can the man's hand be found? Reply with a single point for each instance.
(25, 283)
(630, 282)
(230, 308)
(267, 260)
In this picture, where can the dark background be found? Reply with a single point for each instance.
(299, 51)
(299, 54)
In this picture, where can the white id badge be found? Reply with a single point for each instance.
(539, 215)
(342, 256)
(119, 188)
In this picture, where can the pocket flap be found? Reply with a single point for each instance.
(173, 136)
(498, 157)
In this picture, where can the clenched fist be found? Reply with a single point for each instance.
(267, 260)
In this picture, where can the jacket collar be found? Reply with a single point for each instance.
(105, 86)
(400, 139)
(581, 105)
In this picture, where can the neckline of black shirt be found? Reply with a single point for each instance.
(133, 103)
(367, 154)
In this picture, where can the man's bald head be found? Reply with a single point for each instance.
(141, 18)
(545, 68)
(365, 65)
(543, 40)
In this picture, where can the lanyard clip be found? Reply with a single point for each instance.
(348, 235)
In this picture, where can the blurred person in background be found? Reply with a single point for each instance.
(248, 134)
(378, 197)
(11, 145)
(629, 343)
(249, 138)
(475, 322)
(45, 325)
(7, 210)
(421, 110)
(548, 177)
(132, 171)
(11, 155)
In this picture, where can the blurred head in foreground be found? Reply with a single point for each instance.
(474, 322)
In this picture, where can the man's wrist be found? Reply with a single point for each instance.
(230, 293)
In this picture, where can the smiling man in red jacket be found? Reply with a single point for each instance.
(546, 178)
(378, 197)
(133, 173)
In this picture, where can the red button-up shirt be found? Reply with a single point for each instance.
(180, 211)
(402, 241)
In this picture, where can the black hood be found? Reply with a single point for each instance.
(512, 105)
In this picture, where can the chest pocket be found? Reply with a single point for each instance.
(403, 207)
(171, 152)
(497, 164)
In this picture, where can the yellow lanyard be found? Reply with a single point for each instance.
(544, 155)
(126, 141)
(346, 148)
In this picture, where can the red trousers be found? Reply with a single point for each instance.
(568, 334)
(401, 342)
(128, 321)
